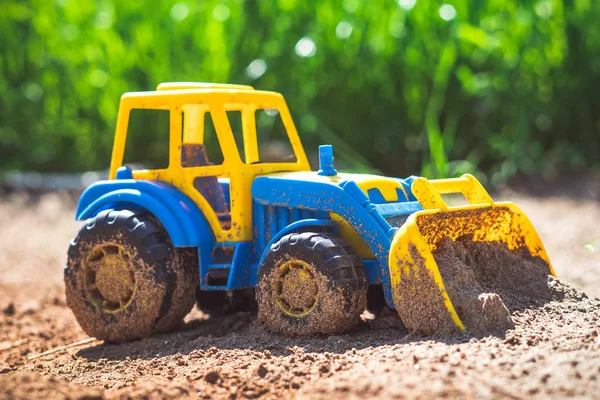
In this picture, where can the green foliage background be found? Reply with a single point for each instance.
(502, 86)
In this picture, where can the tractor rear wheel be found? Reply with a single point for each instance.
(124, 280)
(311, 283)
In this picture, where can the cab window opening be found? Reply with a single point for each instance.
(200, 145)
(274, 144)
(147, 141)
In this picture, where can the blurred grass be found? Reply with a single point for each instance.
(496, 88)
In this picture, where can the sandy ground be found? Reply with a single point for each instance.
(554, 350)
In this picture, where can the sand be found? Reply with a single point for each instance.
(553, 351)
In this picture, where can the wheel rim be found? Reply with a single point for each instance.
(296, 290)
(109, 278)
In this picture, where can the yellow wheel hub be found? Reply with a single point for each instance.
(296, 291)
(109, 278)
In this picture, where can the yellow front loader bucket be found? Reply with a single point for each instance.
(426, 294)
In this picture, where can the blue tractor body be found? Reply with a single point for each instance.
(282, 204)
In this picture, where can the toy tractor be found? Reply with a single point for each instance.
(313, 246)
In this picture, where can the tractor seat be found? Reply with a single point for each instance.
(194, 155)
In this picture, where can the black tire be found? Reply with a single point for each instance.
(124, 280)
(184, 264)
(311, 283)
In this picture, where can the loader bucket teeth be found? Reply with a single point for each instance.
(451, 267)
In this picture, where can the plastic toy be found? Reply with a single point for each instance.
(313, 245)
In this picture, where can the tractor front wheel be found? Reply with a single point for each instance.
(124, 280)
(311, 283)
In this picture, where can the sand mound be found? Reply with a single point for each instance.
(554, 351)
(487, 281)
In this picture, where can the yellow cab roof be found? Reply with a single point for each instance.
(171, 93)
(200, 85)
